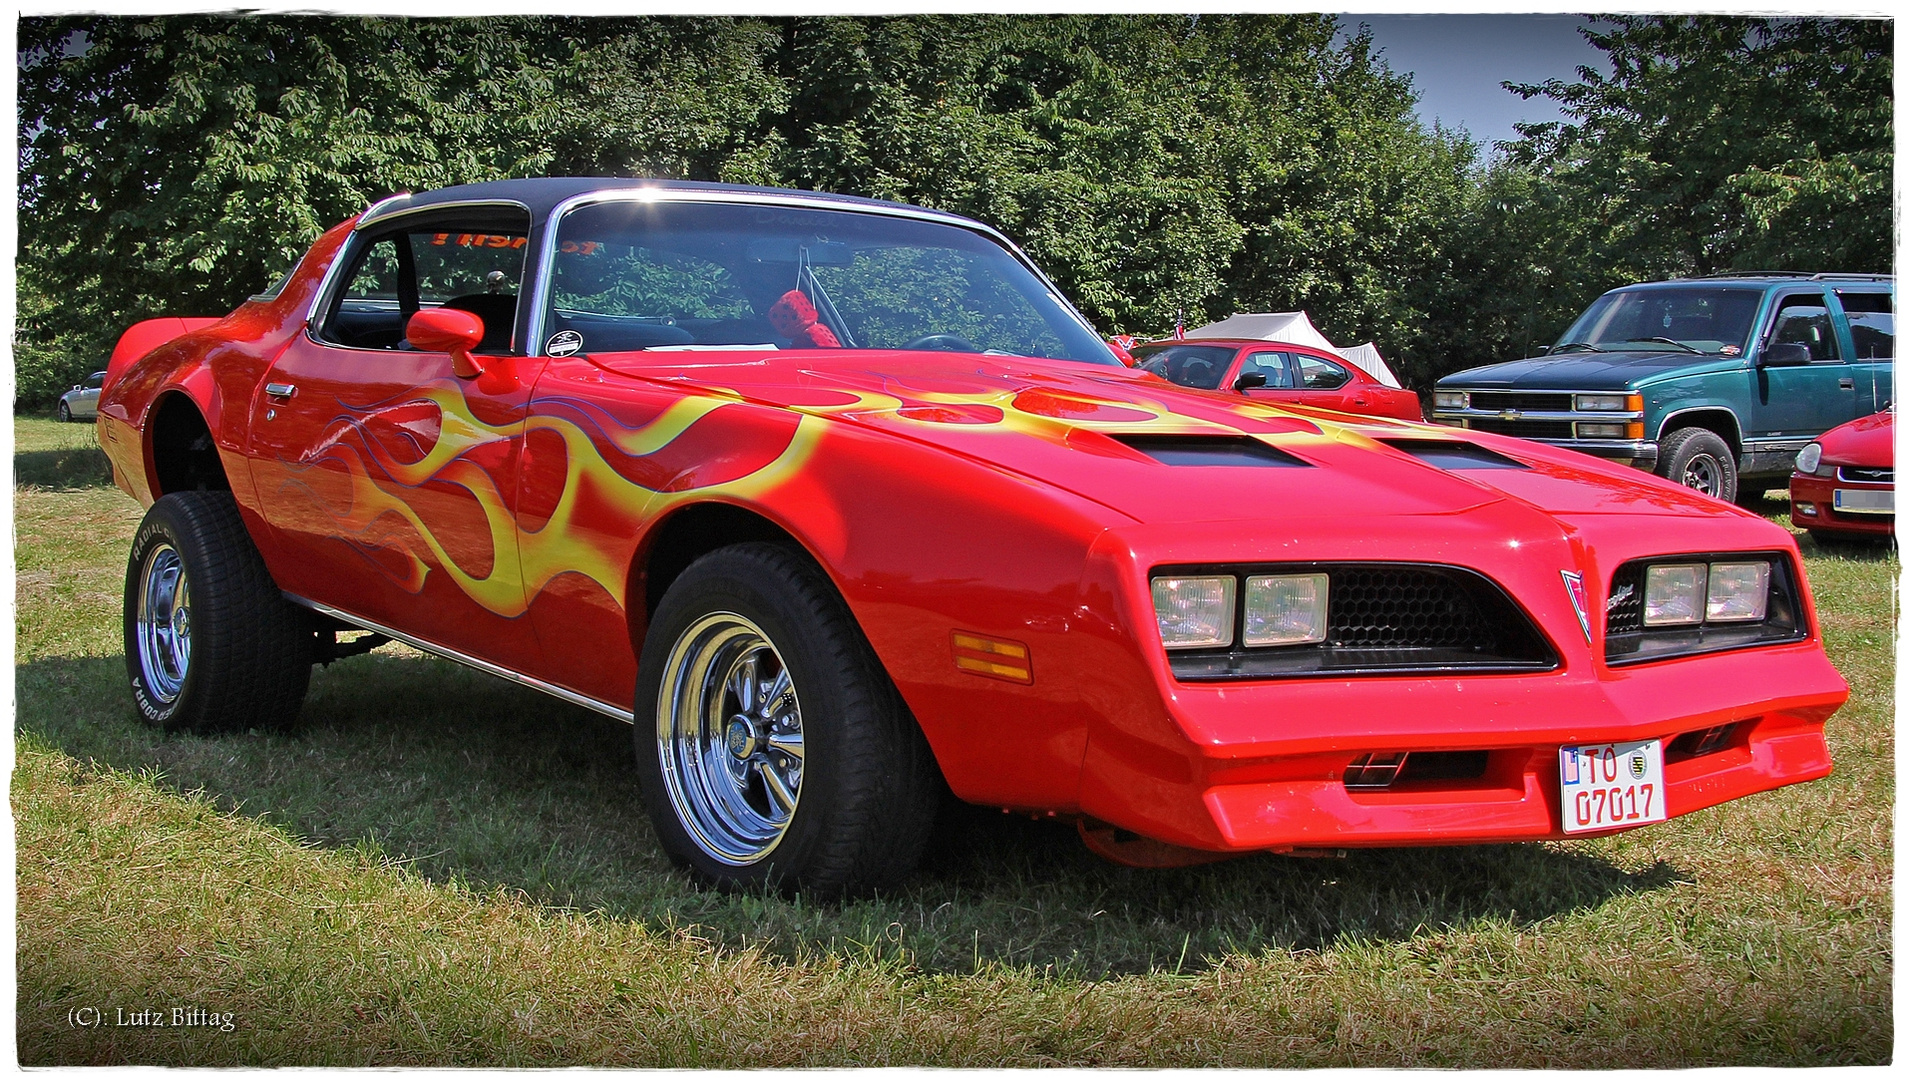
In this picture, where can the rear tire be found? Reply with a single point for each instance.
(1698, 458)
(211, 644)
(772, 749)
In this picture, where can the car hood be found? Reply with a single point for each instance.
(1869, 441)
(1101, 433)
(1586, 371)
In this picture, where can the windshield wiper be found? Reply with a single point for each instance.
(1555, 349)
(1672, 341)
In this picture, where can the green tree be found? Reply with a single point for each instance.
(1725, 144)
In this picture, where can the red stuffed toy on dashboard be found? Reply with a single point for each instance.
(794, 316)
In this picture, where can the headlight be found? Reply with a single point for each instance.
(1451, 399)
(1600, 431)
(1600, 402)
(1810, 458)
(1674, 595)
(1687, 594)
(1739, 592)
(1284, 609)
(1194, 612)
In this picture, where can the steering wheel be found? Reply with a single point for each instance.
(943, 343)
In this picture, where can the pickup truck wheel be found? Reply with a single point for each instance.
(1698, 458)
(211, 645)
(772, 748)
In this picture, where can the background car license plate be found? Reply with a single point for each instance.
(1858, 501)
(1608, 785)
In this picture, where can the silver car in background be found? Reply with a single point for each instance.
(81, 402)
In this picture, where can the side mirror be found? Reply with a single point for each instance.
(1783, 354)
(1249, 380)
(1542, 350)
(448, 330)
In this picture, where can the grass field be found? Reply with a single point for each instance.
(440, 868)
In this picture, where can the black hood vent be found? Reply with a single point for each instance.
(1234, 450)
(1448, 454)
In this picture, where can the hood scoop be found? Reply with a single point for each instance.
(1445, 454)
(1229, 450)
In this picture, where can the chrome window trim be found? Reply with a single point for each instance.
(485, 666)
(546, 252)
(338, 261)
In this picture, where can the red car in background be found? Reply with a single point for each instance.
(1276, 371)
(1845, 481)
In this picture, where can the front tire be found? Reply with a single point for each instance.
(64, 413)
(772, 748)
(211, 644)
(1698, 458)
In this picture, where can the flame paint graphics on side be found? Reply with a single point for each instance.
(610, 471)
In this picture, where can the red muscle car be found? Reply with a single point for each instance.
(1276, 371)
(1845, 482)
(840, 501)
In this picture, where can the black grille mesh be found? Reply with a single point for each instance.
(1857, 474)
(1523, 402)
(1624, 611)
(1393, 606)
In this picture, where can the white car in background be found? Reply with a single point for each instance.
(81, 402)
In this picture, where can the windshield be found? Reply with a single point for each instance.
(1703, 319)
(661, 275)
(1199, 366)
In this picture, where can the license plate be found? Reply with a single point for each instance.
(1610, 785)
(1860, 501)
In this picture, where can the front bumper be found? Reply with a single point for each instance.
(1818, 495)
(1241, 792)
(1637, 453)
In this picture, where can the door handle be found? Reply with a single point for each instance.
(279, 390)
(1846, 384)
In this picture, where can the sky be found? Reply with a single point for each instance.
(1458, 61)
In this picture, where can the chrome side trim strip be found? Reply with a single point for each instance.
(484, 666)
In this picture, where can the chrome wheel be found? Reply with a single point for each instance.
(1704, 473)
(164, 622)
(729, 738)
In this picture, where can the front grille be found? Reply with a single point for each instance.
(1624, 611)
(1383, 618)
(1857, 475)
(1524, 429)
(1494, 400)
(1390, 607)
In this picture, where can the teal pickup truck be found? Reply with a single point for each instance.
(1714, 382)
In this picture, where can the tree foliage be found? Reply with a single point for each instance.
(1151, 164)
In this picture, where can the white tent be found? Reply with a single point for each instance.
(1295, 328)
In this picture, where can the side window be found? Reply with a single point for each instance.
(1872, 324)
(397, 273)
(1803, 320)
(1317, 374)
(1277, 367)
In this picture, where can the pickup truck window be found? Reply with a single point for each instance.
(1805, 321)
(1872, 323)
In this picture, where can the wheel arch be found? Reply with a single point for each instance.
(684, 535)
(181, 453)
(1717, 419)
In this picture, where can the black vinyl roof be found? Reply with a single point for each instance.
(544, 194)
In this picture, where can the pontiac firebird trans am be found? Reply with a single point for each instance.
(841, 503)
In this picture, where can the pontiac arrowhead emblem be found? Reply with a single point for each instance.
(1574, 587)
